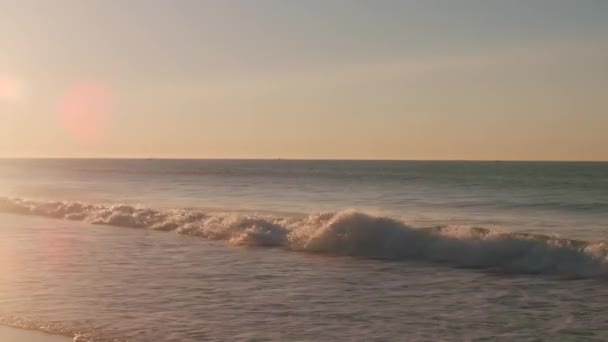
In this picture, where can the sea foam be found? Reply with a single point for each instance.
(349, 233)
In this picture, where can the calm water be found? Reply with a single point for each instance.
(305, 250)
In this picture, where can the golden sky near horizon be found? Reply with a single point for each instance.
(288, 79)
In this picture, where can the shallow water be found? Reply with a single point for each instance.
(139, 284)
(142, 285)
(21, 335)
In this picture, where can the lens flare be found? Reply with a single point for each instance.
(84, 111)
(10, 89)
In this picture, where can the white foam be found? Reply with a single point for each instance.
(349, 233)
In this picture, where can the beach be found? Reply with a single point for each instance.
(8, 334)
(327, 171)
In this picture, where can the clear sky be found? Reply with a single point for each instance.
(466, 79)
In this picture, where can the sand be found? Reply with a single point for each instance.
(8, 334)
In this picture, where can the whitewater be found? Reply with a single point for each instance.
(243, 250)
(349, 233)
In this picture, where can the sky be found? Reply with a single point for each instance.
(466, 79)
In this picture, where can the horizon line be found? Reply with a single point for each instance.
(306, 159)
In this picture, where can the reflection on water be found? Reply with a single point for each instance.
(141, 285)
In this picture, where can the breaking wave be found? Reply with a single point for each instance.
(349, 233)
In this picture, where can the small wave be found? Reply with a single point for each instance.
(54, 328)
(350, 233)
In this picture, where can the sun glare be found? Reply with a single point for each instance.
(10, 89)
(84, 111)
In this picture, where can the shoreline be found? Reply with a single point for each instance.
(11, 334)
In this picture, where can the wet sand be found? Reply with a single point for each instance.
(8, 334)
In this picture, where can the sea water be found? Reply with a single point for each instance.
(286, 250)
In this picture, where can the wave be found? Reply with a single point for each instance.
(350, 233)
(54, 328)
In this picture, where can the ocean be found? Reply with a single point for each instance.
(303, 250)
